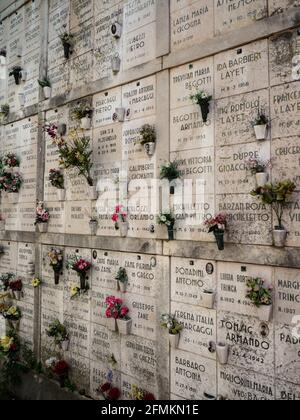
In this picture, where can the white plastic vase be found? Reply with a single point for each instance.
(65, 345)
(86, 123)
(124, 227)
(261, 179)
(207, 299)
(280, 237)
(223, 353)
(61, 194)
(116, 64)
(261, 132)
(122, 286)
(120, 113)
(150, 148)
(93, 227)
(124, 326)
(47, 92)
(174, 341)
(265, 312)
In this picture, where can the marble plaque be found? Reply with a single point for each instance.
(57, 220)
(249, 219)
(137, 14)
(26, 322)
(104, 105)
(77, 217)
(59, 77)
(291, 220)
(191, 25)
(59, 21)
(234, 14)
(189, 278)
(131, 149)
(139, 98)
(104, 344)
(287, 342)
(144, 312)
(139, 46)
(286, 159)
(78, 307)
(232, 173)
(79, 331)
(243, 385)
(76, 186)
(83, 38)
(48, 347)
(52, 295)
(139, 358)
(26, 256)
(199, 328)
(80, 11)
(286, 391)
(251, 342)
(16, 22)
(27, 214)
(98, 309)
(12, 136)
(8, 260)
(31, 64)
(242, 70)
(192, 376)
(285, 106)
(235, 116)
(28, 191)
(81, 70)
(28, 164)
(287, 289)
(29, 129)
(55, 54)
(232, 286)
(32, 39)
(280, 6)
(105, 268)
(10, 215)
(126, 387)
(99, 372)
(107, 145)
(80, 371)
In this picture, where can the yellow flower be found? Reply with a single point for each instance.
(36, 282)
(74, 291)
(6, 342)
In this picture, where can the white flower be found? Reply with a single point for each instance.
(168, 223)
(221, 227)
(51, 362)
(163, 219)
(204, 95)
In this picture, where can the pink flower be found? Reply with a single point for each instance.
(119, 208)
(124, 311)
(108, 313)
(115, 218)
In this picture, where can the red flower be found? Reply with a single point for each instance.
(61, 368)
(13, 347)
(115, 218)
(149, 397)
(105, 387)
(114, 394)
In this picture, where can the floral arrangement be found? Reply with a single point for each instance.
(166, 219)
(4, 110)
(257, 166)
(82, 111)
(115, 308)
(78, 264)
(10, 183)
(66, 38)
(51, 130)
(5, 280)
(138, 394)
(56, 178)
(56, 260)
(170, 171)
(10, 160)
(13, 313)
(119, 215)
(218, 223)
(9, 345)
(258, 293)
(51, 362)
(109, 392)
(148, 134)
(261, 119)
(42, 214)
(75, 291)
(36, 282)
(201, 97)
(45, 82)
(170, 322)
(16, 285)
(16, 72)
(57, 331)
(276, 195)
(61, 368)
(122, 276)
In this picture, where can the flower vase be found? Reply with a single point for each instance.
(43, 227)
(280, 237)
(219, 235)
(261, 179)
(47, 92)
(207, 299)
(174, 340)
(65, 345)
(93, 227)
(261, 132)
(204, 106)
(122, 287)
(111, 324)
(56, 277)
(120, 113)
(86, 123)
(67, 50)
(61, 194)
(17, 294)
(223, 353)
(124, 227)
(265, 312)
(149, 148)
(82, 281)
(116, 64)
(124, 326)
(171, 232)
